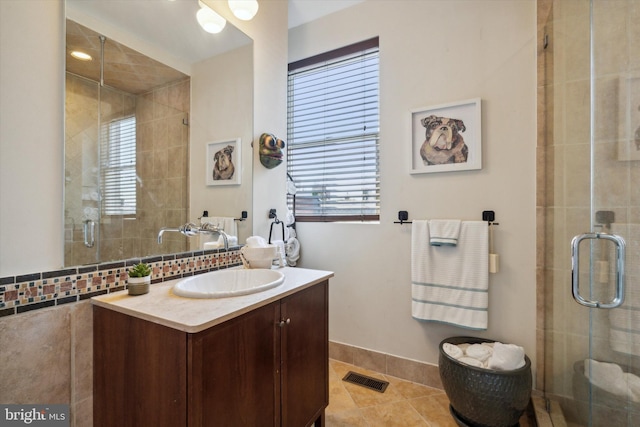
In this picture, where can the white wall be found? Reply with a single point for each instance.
(435, 52)
(268, 29)
(229, 77)
(31, 135)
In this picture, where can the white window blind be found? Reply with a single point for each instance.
(119, 167)
(332, 139)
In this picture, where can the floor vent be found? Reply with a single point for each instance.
(365, 381)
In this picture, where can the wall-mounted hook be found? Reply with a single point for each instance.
(403, 216)
(490, 217)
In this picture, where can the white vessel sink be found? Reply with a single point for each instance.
(228, 283)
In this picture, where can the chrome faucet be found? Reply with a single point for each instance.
(162, 230)
(191, 229)
(207, 227)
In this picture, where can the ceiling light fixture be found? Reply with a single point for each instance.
(209, 20)
(81, 55)
(244, 9)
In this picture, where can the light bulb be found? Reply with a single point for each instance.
(244, 9)
(81, 55)
(210, 21)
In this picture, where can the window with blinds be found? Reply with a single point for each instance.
(332, 138)
(119, 167)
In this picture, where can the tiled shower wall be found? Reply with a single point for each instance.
(162, 166)
(162, 117)
(46, 326)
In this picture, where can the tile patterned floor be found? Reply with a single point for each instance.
(403, 404)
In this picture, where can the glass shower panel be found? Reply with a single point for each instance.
(614, 394)
(117, 147)
(592, 101)
(82, 196)
(91, 110)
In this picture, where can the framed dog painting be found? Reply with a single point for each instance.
(223, 162)
(446, 138)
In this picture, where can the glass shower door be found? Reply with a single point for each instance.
(605, 274)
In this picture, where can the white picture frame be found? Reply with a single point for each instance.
(224, 162)
(455, 126)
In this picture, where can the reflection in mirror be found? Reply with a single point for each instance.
(126, 148)
(127, 142)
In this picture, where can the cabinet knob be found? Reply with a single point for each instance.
(284, 322)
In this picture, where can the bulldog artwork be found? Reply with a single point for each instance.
(444, 143)
(223, 168)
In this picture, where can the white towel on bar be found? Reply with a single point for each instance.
(444, 232)
(227, 224)
(450, 284)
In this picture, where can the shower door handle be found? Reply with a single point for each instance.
(618, 298)
(89, 228)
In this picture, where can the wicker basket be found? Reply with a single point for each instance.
(484, 397)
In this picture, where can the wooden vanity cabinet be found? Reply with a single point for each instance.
(268, 367)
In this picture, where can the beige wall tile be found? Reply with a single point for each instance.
(370, 360)
(341, 352)
(406, 369)
(41, 342)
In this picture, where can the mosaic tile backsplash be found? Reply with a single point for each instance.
(28, 292)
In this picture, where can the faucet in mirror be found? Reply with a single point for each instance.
(190, 229)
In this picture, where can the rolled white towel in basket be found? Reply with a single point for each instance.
(471, 361)
(480, 352)
(453, 350)
(506, 357)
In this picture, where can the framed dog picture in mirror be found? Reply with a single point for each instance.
(223, 162)
(447, 137)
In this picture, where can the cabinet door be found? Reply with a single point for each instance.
(305, 356)
(234, 373)
(140, 372)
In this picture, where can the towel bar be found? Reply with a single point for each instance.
(488, 216)
(243, 216)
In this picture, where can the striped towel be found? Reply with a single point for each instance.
(444, 232)
(450, 284)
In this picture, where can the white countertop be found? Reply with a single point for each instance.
(192, 315)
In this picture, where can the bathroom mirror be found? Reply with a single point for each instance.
(138, 118)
